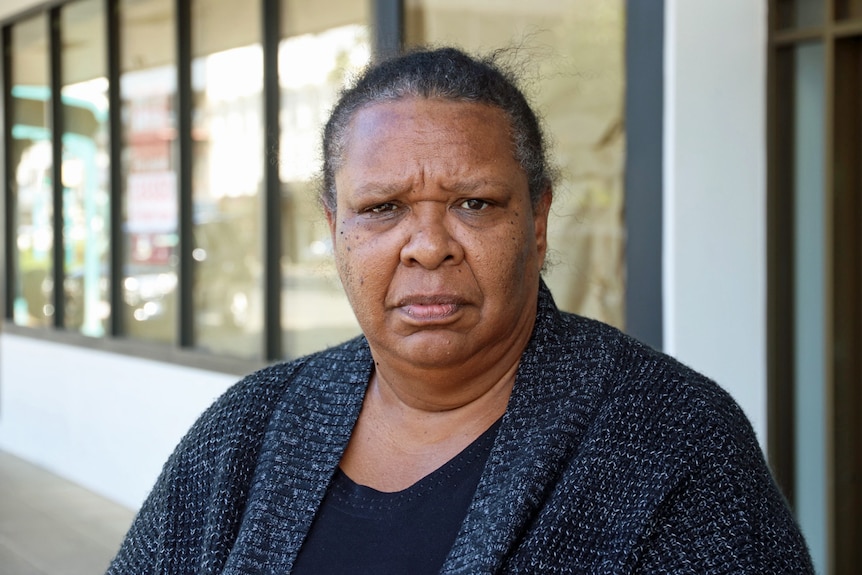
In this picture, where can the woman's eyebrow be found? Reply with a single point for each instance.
(381, 189)
(476, 185)
(388, 189)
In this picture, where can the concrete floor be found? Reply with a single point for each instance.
(50, 526)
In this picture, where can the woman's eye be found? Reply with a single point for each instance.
(383, 208)
(474, 204)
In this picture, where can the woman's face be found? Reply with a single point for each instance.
(436, 241)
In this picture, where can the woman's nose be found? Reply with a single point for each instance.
(430, 242)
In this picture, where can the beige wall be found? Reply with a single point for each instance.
(9, 8)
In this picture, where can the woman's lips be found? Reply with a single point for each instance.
(430, 308)
(430, 311)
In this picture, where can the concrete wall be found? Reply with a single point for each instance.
(103, 420)
(715, 194)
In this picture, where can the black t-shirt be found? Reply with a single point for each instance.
(361, 530)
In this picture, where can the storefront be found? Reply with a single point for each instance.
(162, 237)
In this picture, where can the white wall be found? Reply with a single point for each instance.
(715, 194)
(105, 421)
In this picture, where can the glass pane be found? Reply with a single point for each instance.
(147, 93)
(810, 297)
(324, 45)
(847, 9)
(86, 199)
(573, 55)
(31, 172)
(800, 13)
(228, 162)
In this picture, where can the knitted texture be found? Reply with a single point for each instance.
(610, 458)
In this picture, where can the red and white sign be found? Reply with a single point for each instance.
(151, 206)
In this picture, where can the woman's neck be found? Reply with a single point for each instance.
(402, 435)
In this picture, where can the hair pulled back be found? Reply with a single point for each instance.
(446, 73)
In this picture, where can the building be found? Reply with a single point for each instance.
(159, 161)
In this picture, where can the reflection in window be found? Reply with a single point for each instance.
(86, 202)
(228, 161)
(575, 78)
(147, 93)
(810, 288)
(31, 169)
(321, 48)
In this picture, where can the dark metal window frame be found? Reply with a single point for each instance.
(58, 124)
(8, 253)
(644, 52)
(644, 109)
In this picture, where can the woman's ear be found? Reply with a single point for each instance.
(540, 222)
(330, 219)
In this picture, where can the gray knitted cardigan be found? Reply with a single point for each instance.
(611, 458)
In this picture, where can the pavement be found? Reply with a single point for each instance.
(51, 526)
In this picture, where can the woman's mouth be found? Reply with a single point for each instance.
(430, 308)
(430, 311)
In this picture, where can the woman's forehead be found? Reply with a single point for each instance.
(412, 124)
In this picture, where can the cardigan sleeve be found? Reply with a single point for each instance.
(191, 517)
(727, 516)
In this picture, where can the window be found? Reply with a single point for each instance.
(322, 44)
(815, 276)
(86, 193)
(31, 174)
(227, 177)
(148, 80)
(188, 143)
(164, 204)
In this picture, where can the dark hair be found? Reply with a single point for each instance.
(440, 73)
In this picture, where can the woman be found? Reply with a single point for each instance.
(474, 428)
